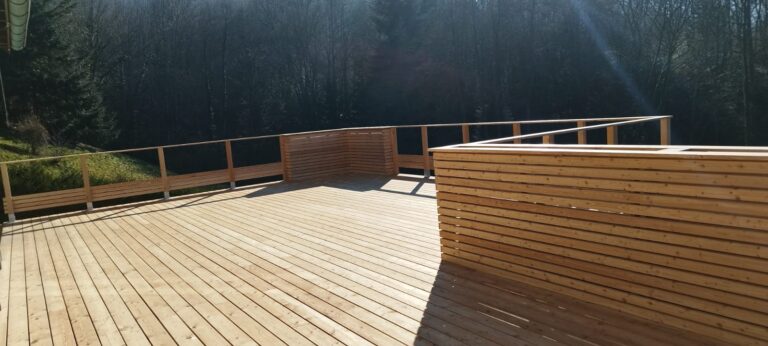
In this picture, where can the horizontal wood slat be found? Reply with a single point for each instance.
(412, 161)
(715, 179)
(370, 152)
(47, 200)
(258, 171)
(678, 239)
(127, 189)
(308, 156)
(184, 181)
(607, 159)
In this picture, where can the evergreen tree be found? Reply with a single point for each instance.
(51, 81)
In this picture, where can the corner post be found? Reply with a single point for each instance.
(86, 182)
(517, 131)
(8, 195)
(395, 155)
(230, 164)
(666, 128)
(582, 133)
(163, 173)
(465, 133)
(613, 135)
(284, 158)
(425, 151)
(548, 139)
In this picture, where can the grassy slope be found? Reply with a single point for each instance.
(49, 175)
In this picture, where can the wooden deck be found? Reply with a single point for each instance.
(353, 260)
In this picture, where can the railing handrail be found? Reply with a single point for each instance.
(238, 139)
(531, 122)
(572, 130)
(385, 144)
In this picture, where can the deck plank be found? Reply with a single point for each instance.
(37, 311)
(235, 289)
(320, 300)
(174, 296)
(165, 304)
(369, 313)
(354, 265)
(58, 316)
(106, 327)
(82, 325)
(352, 260)
(301, 308)
(125, 321)
(222, 221)
(18, 326)
(244, 283)
(150, 324)
(235, 324)
(269, 245)
(6, 241)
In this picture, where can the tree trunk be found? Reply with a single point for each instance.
(748, 66)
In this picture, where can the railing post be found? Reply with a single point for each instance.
(465, 133)
(425, 151)
(86, 182)
(395, 155)
(230, 164)
(548, 139)
(666, 125)
(517, 131)
(8, 195)
(612, 133)
(284, 159)
(582, 133)
(163, 173)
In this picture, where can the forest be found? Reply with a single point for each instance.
(133, 73)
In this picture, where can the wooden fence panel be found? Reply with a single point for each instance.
(184, 181)
(370, 151)
(47, 200)
(127, 189)
(258, 171)
(412, 161)
(316, 155)
(678, 238)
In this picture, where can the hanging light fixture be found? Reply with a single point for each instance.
(14, 21)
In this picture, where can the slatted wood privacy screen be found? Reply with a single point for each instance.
(371, 151)
(412, 161)
(314, 154)
(327, 153)
(673, 235)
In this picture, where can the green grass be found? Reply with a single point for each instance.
(51, 175)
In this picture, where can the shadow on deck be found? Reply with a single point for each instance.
(510, 313)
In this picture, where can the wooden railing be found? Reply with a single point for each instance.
(582, 126)
(302, 156)
(673, 234)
